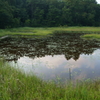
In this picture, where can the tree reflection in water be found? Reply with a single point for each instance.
(70, 45)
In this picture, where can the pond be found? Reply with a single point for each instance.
(60, 57)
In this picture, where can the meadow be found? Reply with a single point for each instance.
(45, 31)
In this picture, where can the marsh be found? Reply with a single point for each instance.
(50, 58)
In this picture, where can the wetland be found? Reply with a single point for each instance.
(57, 57)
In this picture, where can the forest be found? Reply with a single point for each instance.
(49, 13)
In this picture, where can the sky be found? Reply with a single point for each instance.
(98, 1)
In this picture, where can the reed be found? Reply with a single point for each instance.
(44, 31)
(15, 85)
(92, 36)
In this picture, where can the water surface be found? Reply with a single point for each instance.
(60, 57)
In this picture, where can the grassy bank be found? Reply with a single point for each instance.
(15, 85)
(92, 36)
(40, 31)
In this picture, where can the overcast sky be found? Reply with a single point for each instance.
(98, 1)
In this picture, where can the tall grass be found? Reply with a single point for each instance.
(45, 30)
(92, 36)
(15, 85)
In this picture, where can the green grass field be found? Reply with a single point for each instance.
(40, 31)
(15, 85)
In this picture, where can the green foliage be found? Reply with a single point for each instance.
(5, 15)
(27, 22)
(37, 13)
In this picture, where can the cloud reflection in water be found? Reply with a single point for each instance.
(48, 67)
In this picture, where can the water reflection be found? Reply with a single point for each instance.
(69, 45)
(52, 57)
(49, 68)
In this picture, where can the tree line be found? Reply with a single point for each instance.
(49, 13)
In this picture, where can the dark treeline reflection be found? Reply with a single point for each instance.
(70, 45)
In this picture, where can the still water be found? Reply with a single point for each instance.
(60, 57)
